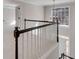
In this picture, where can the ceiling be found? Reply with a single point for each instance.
(46, 2)
(36, 2)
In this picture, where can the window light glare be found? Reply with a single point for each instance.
(13, 23)
(64, 25)
(64, 37)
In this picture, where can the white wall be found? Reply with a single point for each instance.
(8, 38)
(72, 30)
(29, 11)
